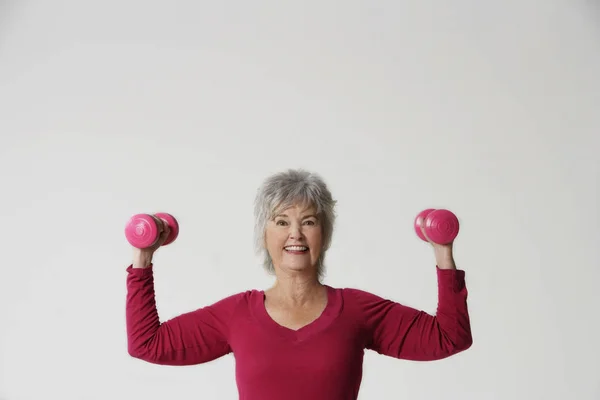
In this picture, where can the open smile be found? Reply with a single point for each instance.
(296, 249)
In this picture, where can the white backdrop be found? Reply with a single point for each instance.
(112, 108)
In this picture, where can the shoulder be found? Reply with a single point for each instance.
(361, 301)
(367, 305)
(359, 295)
(228, 308)
(239, 299)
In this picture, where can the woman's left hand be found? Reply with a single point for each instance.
(443, 253)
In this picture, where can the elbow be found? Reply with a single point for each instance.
(454, 343)
(451, 347)
(464, 343)
(140, 353)
(135, 352)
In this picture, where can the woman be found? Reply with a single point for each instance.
(300, 339)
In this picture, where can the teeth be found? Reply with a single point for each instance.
(296, 248)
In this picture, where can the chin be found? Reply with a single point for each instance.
(299, 267)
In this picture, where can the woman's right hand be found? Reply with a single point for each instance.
(142, 258)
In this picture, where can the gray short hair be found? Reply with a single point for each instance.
(288, 188)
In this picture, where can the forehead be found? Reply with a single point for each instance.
(296, 208)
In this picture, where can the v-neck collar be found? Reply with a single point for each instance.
(331, 311)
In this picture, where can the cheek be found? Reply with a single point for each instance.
(315, 238)
(274, 241)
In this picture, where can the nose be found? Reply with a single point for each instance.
(295, 231)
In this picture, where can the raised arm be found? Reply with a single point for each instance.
(403, 332)
(192, 338)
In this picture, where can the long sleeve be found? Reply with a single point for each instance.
(403, 332)
(191, 338)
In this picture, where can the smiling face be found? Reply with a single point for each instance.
(294, 239)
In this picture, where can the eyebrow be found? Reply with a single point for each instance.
(286, 216)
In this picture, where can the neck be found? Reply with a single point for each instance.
(297, 288)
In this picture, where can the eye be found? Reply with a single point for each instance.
(310, 222)
(280, 223)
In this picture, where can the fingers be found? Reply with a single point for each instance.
(433, 244)
(165, 231)
(164, 234)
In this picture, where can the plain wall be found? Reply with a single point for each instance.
(489, 109)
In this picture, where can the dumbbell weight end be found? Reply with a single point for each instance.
(142, 230)
(440, 225)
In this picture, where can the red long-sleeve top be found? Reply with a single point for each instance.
(321, 361)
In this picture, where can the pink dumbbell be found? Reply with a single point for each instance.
(142, 230)
(441, 226)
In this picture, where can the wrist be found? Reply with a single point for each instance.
(444, 258)
(142, 260)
